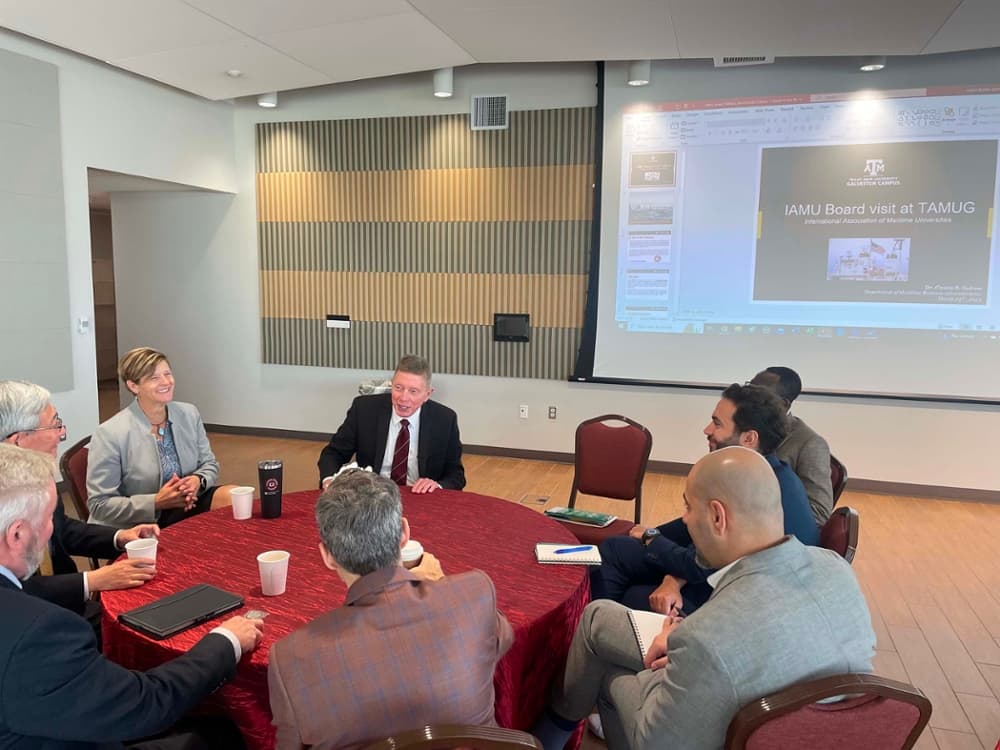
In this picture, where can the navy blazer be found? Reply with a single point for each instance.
(365, 432)
(58, 692)
(71, 537)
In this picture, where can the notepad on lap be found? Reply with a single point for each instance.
(548, 555)
(646, 626)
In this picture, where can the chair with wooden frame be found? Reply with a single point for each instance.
(874, 712)
(610, 462)
(447, 736)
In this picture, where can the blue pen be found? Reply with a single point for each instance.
(567, 550)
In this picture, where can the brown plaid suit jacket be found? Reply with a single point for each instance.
(399, 654)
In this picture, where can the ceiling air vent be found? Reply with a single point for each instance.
(489, 113)
(732, 61)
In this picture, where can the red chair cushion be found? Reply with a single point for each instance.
(867, 721)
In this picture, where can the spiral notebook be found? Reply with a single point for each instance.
(576, 554)
(646, 626)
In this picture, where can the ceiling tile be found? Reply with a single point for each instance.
(788, 28)
(113, 29)
(531, 30)
(974, 25)
(371, 48)
(256, 17)
(202, 69)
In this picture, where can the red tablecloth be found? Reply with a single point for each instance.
(464, 530)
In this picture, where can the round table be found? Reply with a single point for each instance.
(464, 530)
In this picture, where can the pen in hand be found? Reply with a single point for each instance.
(567, 550)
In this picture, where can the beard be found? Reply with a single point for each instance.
(714, 445)
(33, 559)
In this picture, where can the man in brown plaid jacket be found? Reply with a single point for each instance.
(408, 648)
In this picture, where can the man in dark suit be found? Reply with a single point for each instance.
(408, 648)
(29, 420)
(56, 689)
(401, 435)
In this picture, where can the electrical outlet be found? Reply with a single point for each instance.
(523, 413)
(552, 412)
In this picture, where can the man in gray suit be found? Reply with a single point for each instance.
(803, 449)
(780, 613)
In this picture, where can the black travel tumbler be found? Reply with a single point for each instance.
(269, 473)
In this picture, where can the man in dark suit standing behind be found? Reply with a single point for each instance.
(56, 689)
(401, 435)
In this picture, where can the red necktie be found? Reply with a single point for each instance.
(401, 455)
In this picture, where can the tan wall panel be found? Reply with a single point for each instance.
(553, 301)
(504, 194)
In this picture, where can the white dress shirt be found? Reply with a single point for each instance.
(412, 468)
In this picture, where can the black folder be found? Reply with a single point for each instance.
(185, 609)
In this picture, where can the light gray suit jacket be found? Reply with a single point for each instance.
(786, 614)
(123, 465)
(809, 456)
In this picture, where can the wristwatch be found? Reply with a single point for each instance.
(648, 535)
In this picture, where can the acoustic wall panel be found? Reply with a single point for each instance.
(420, 229)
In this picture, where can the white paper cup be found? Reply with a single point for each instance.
(273, 567)
(242, 502)
(412, 553)
(142, 548)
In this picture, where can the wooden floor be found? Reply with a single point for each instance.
(929, 569)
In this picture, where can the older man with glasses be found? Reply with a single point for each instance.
(29, 420)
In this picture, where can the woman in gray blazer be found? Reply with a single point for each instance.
(151, 461)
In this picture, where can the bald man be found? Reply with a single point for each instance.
(780, 613)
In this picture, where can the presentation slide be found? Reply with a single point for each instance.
(876, 223)
(850, 235)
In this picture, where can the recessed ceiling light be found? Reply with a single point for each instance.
(234, 73)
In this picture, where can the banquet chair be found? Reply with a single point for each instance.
(447, 736)
(73, 467)
(873, 712)
(838, 478)
(610, 461)
(840, 532)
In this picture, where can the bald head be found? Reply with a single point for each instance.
(734, 505)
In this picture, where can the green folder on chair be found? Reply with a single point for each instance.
(585, 517)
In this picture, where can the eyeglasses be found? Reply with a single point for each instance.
(58, 424)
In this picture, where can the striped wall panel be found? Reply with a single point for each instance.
(497, 194)
(549, 137)
(449, 348)
(420, 230)
(552, 301)
(519, 247)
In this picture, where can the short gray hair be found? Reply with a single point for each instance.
(360, 519)
(21, 406)
(25, 478)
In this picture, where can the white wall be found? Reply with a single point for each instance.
(186, 267)
(214, 337)
(118, 122)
